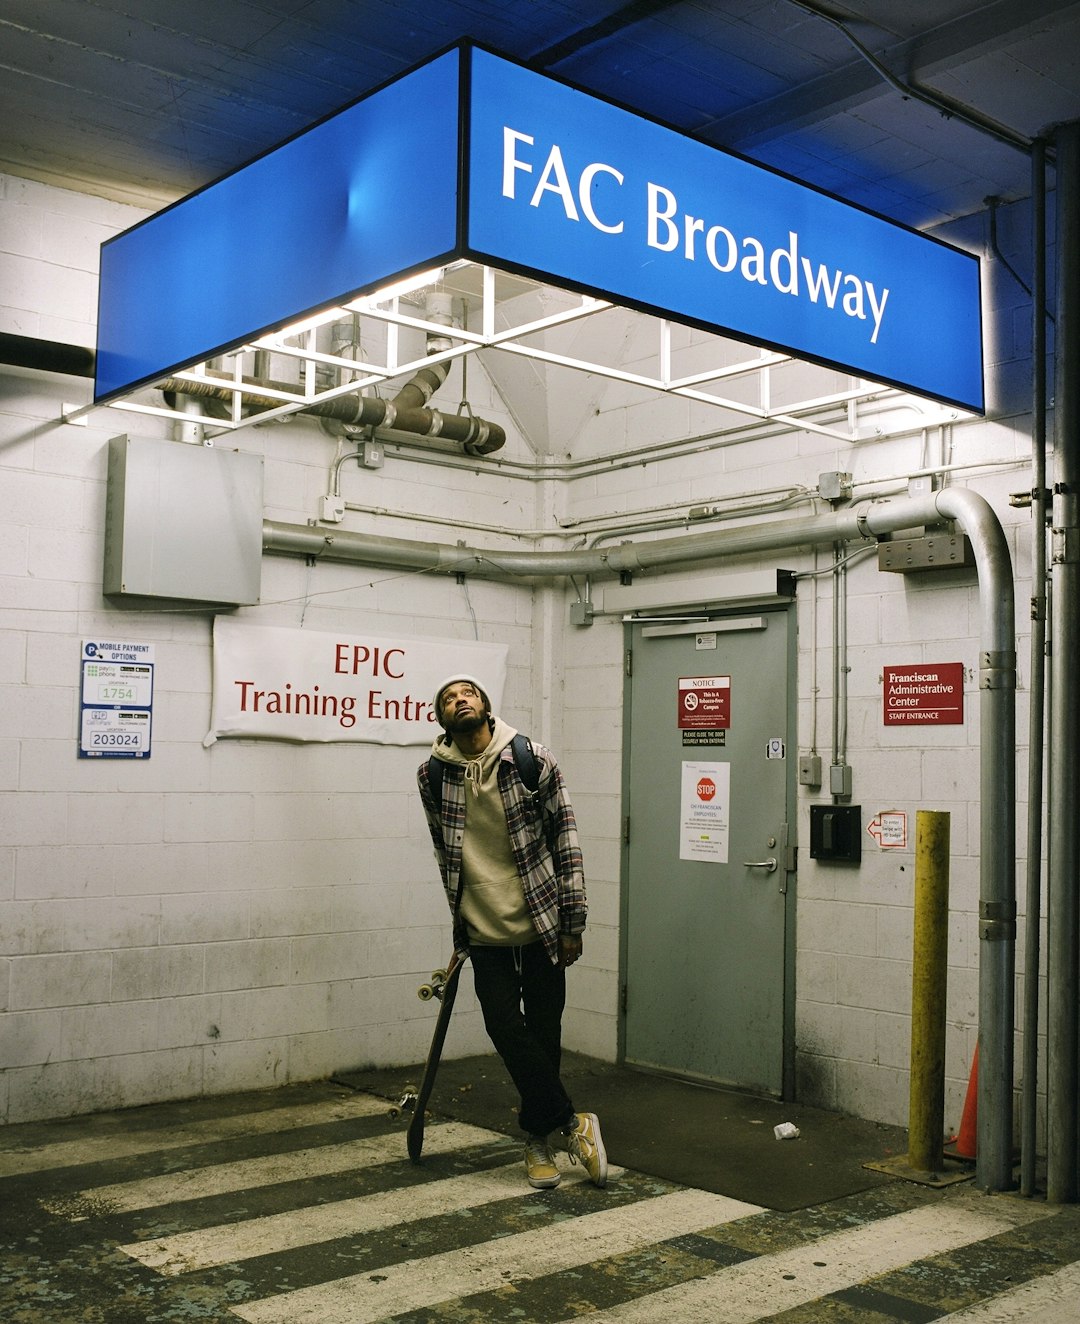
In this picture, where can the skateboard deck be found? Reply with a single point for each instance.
(443, 986)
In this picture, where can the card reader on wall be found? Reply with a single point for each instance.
(836, 832)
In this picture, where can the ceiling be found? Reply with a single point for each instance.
(917, 109)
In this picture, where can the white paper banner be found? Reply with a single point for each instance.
(276, 683)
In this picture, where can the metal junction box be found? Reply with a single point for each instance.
(183, 523)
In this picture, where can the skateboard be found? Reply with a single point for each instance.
(443, 987)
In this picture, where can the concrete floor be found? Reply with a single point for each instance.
(716, 1140)
(299, 1204)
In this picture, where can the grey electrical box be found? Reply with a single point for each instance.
(836, 832)
(183, 523)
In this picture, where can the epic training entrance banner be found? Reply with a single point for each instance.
(276, 683)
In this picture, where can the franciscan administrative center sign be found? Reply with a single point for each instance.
(536, 176)
(924, 694)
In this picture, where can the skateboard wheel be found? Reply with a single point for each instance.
(393, 1111)
(425, 992)
(438, 976)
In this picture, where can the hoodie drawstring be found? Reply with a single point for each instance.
(473, 775)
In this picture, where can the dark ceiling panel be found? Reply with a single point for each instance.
(145, 100)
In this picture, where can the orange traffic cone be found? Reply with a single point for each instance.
(965, 1144)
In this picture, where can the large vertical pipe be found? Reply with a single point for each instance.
(929, 979)
(1064, 873)
(1037, 716)
(997, 836)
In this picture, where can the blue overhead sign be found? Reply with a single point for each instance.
(590, 194)
(564, 185)
(341, 208)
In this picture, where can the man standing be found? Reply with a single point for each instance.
(510, 862)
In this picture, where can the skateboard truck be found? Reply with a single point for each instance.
(406, 1103)
(435, 989)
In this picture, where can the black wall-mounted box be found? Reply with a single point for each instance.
(836, 832)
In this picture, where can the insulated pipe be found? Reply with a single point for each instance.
(997, 685)
(1063, 902)
(929, 976)
(407, 412)
(46, 355)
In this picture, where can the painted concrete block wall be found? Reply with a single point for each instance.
(854, 967)
(209, 919)
(255, 913)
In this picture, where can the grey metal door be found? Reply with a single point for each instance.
(708, 868)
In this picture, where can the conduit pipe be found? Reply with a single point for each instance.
(997, 707)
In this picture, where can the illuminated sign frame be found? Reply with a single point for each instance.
(473, 156)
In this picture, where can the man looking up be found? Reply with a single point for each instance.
(511, 867)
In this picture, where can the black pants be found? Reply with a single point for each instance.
(522, 996)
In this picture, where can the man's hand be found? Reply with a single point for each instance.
(569, 948)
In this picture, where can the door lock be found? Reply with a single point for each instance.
(769, 864)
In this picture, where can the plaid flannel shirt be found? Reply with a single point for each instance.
(548, 861)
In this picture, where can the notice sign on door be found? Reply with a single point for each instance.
(706, 804)
(704, 703)
(927, 694)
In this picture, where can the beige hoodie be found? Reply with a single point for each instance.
(492, 901)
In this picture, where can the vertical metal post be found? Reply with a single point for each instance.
(1037, 716)
(1063, 910)
(929, 977)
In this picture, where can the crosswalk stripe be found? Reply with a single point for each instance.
(1051, 1299)
(771, 1284)
(273, 1234)
(271, 1170)
(102, 1148)
(414, 1284)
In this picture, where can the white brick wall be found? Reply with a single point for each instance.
(252, 913)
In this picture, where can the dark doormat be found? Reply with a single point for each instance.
(714, 1140)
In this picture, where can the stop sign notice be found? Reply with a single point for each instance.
(706, 788)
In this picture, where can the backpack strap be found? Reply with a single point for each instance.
(528, 765)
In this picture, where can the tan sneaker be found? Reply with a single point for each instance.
(539, 1163)
(585, 1146)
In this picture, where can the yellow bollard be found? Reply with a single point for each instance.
(926, 1110)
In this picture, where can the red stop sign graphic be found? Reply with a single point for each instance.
(706, 788)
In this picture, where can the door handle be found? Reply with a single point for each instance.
(769, 864)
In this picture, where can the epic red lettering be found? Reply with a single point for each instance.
(351, 659)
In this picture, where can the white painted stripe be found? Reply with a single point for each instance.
(124, 1143)
(756, 1289)
(273, 1169)
(229, 1243)
(1052, 1299)
(414, 1284)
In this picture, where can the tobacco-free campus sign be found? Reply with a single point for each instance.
(533, 175)
(927, 694)
(704, 702)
